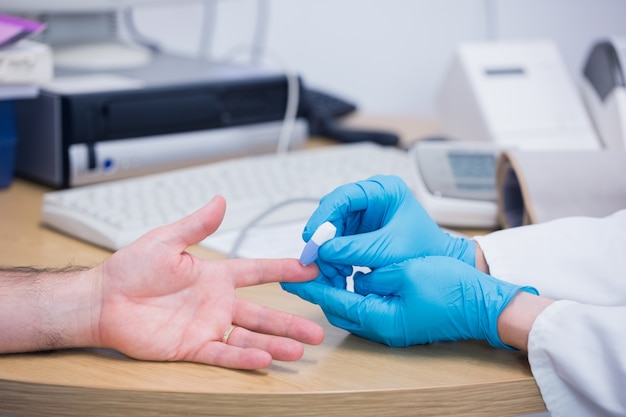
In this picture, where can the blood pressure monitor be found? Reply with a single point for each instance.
(455, 181)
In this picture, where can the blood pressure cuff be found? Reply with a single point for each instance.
(538, 186)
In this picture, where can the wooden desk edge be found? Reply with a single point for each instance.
(497, 400)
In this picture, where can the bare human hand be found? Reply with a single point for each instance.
(159, 302)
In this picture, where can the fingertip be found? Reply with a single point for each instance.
(302, 272)
(264, 360)
(295, 353)
(218, 199)
(198, 225)
(216, 207)
(317, 336)
(253, 359)
(308, 332)
(313, 272)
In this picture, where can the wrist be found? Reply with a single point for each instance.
(517, 318)
(67, 313)
(81, 319)
(46, 309)
(479, 259)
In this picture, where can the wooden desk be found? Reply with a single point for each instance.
(345, 375)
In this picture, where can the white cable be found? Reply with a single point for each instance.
(291, 113)
(293, 101)
(257, 52)
(259, 37)
(207, 29)
(254, 222)
(128, 21)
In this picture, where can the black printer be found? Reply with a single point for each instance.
(87, 127)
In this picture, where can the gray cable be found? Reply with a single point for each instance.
(291, 113)
(207, 29)
(257, 53)
(128, 20)
(254, 222)
(259, 38)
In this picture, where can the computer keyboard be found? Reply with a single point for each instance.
(114, 214)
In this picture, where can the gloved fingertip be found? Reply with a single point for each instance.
(337, 250)
(293, 287)
(328, 251)
(361, 287)
(307, 232)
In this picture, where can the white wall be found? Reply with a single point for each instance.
(387, 55)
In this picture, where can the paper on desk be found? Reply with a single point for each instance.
(269, 241)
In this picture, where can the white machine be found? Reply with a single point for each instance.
(455, 181)
(604, 90)
(514, 94)
(495, 96)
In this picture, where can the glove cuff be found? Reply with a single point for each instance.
(506, 294)
(464, 250)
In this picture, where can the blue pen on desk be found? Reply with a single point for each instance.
(323, 234)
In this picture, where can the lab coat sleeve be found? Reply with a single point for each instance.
(578, 258)
(576, 353)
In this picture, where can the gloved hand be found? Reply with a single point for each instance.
(380, 222)
(417, 301)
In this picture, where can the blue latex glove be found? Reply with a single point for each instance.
(417, 301)
(380, 222)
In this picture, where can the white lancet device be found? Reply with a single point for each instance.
(323, 234)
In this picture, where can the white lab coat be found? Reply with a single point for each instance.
(577, 346)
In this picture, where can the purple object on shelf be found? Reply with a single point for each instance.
(12, 28)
